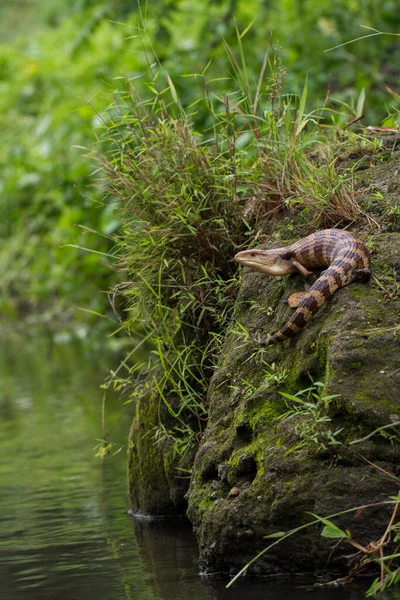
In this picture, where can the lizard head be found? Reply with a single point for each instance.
(276, 261)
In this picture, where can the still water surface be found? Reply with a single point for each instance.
(65, 532)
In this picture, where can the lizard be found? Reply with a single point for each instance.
(346, 257)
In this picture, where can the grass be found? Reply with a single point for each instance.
(180, 222)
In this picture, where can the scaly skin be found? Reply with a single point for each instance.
(346, 257)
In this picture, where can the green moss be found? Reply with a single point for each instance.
(154, 484)
(356, 365)
(265, 414)
(357, 293)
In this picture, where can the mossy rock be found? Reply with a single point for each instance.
(380, 186)
(155, 485)
(258, 472)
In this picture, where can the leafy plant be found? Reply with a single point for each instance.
(47, 112)
(180, 222)
(372, 553)
(309, 408)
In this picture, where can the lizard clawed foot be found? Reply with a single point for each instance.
(363, 275)
(296, 299)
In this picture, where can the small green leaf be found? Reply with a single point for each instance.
(291, 397)
(360, 104)
(302, 102)
(331, 531)
(173, 90)
(276, 535)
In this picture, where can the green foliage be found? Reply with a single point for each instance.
(48, 107)
(19, 16)
(185, 35)
(180, 223)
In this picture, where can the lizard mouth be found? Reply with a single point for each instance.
(258, 264)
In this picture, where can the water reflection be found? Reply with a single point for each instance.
(64, 528)
(55, 498)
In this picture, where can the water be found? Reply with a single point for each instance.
(65, 532)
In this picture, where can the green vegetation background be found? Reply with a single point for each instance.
(63, 64)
